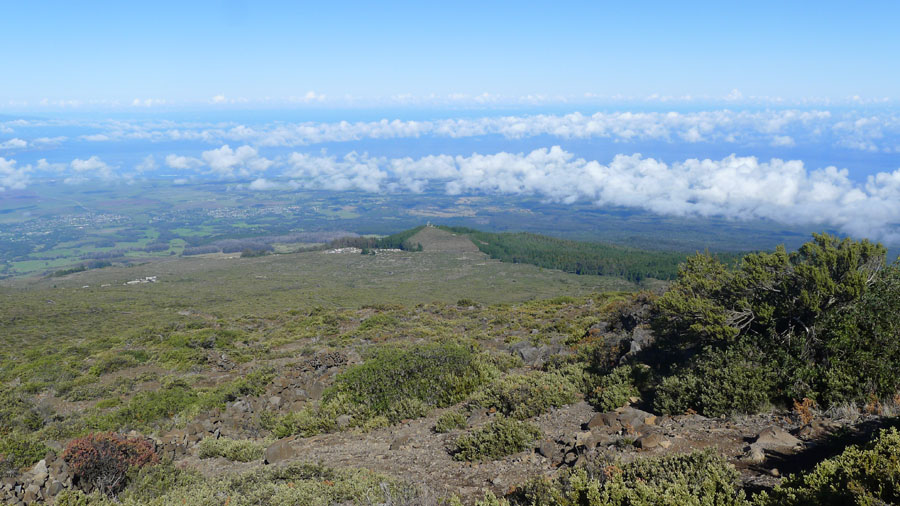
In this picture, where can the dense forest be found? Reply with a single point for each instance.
(400, 240)
(576, 257)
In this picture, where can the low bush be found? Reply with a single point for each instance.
(859, 475)
(614, 390)
(238, 450)
(698, 478)
(406, 382)
(148, 407)
(720, 382)
(523, 396)
(306, 484)
(497, 439)
(101, 461)
(18, 450)
(316, 418)
(819, 323)
(449, 421)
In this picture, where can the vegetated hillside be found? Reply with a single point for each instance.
(400, 240)
(574, 400)
(576, 257)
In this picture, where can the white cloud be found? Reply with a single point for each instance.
(182, 162)
(243, 161)
(308, 97)
(352, 172)
(97, 137)
(11, 177)
(783, 141)
(14, 143)
(743, 127)
(46, 142)
(148, 164)
(734, 95)
(733, 187)
(263, 184)
(92, 168)
(851, 129)
(148, 102)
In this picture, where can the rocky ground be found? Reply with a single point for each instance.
(762, 447)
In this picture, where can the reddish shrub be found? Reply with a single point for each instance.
(102, 460)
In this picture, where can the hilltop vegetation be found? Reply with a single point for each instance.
(583, 398)
(576, 257)
(49, 228)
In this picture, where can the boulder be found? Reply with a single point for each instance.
(54, 488)
(315, 390)
(635, 418)
(343, 421)
(40, 472)
(279, 451)
(649, 441)
(608, 419)
(755, 455)
(547, 449)
(528, 353)
(400, 442)
(774, 438)
(32, 494)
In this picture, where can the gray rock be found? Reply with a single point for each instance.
(636, 418)
(528, 353)
(477, 416)
(756, 455)
(54, 488)
(399, 442)
(609, 419)
(275, 401)
(40, 472)
(32, 494)
(547, 449)
(774, 437)
(343, 421)
(649, 441)
(279, 451)
(315, 390)
(642, 337)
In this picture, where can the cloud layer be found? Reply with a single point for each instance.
(856, 130)
(734, 187)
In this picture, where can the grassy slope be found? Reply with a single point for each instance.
(224, 286)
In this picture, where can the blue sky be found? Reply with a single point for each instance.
(786, 111)
(189, 52)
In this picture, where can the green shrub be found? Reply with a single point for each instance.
(817, 321)
(694, 479)
(316, 418)
(523, 396)
(145, 408)
(18, 412)
(615, 389)
(867, 475)
(237, 450)
(497, 439)
(293, 484)
(406, 382)
(720, 382)
(251, 384)
(18, 450)
(449, 421)
(102, 461)
(489, 499)
(377, 321)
